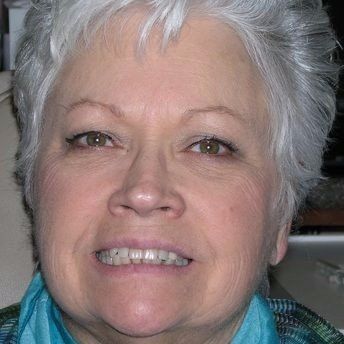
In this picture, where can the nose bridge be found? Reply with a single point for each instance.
(146, 174)
(147, 186)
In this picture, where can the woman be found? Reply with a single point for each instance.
(166, 146)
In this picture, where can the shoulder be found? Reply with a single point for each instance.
(9, 324)
(298, 324)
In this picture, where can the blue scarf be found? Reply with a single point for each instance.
(41, 322)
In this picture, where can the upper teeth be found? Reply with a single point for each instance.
(125, 255)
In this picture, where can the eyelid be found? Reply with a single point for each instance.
(73, 140)
(227, 144)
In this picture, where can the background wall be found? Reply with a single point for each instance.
(15, 250)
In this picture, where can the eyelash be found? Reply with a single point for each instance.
(227, 145)
(73, 141)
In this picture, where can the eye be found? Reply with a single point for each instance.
(213, 146)
(91, 139)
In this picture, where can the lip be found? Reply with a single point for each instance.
(139, 269)
(146, 244)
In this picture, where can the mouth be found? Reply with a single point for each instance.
(126, 256)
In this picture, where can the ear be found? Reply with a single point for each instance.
(281, 245)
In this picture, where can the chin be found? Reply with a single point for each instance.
(141, 317)
(142, 323)
(143, 328)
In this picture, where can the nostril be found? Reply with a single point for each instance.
(146, 199)
(161, 208)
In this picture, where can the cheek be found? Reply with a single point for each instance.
(240, 208)
(68, 206)
(237, 229)
(234, 222)
(69, 191)
(69, 209)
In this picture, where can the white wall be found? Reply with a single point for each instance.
(15, 250)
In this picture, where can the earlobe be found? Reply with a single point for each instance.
(281, 245)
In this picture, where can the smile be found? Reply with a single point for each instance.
(125, 256)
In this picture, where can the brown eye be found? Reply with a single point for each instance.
(209, 147)
(213, 146)
(96, 139)
(91, 139)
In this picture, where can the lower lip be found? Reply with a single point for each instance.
(133, 269)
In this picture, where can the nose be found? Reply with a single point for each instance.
(147, 189)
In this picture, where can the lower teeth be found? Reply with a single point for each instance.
(116, 261)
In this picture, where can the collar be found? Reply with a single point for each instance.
(258, 326)
(40, 320)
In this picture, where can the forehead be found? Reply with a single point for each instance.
(206, 66)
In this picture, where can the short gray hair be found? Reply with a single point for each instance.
(290, 41)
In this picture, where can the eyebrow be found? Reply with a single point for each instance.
(219, 109)
(114, 109)
(187, 115)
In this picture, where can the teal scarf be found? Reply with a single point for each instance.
(41, 322)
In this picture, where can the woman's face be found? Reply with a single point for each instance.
(160, 155)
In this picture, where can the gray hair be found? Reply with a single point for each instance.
(290, 41)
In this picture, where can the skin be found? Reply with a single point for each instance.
(152, 186)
